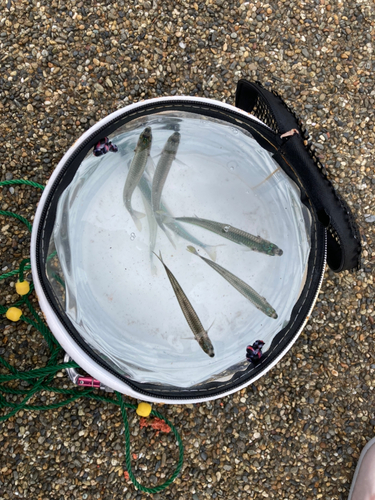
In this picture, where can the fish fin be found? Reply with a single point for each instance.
(211, 250)
(136, 216)
(212, 324)
(168, 235)
(180, 162)
(191, 249)
(164, 217)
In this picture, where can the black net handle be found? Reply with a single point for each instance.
(343, 238)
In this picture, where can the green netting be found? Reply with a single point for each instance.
(41, 379)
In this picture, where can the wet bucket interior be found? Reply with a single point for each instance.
(228, 224)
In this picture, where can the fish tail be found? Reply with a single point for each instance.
(211, 250)
(191, 249)
(154, 270)
(136, 216)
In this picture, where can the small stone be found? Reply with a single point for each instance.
(321, 63)
(98, 87)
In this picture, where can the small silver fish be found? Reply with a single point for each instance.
(166, 218)
(240, 237)
(136, 169)
(145, 188)
(200, 334)
(152, 225)
(257, 300)
(161, 173)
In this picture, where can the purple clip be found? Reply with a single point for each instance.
(254, 352)
(103, 146)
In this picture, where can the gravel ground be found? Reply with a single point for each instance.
(298, 432)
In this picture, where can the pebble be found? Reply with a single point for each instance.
(299, 430)
(98, 87)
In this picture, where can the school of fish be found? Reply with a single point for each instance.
(159, 216)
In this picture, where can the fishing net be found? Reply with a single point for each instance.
(177, 251)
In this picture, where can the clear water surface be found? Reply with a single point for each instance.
(118, 295)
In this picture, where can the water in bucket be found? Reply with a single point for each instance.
(124, 302)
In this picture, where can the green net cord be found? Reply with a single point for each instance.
(40, 379)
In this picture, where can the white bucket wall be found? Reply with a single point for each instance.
(58, 330)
